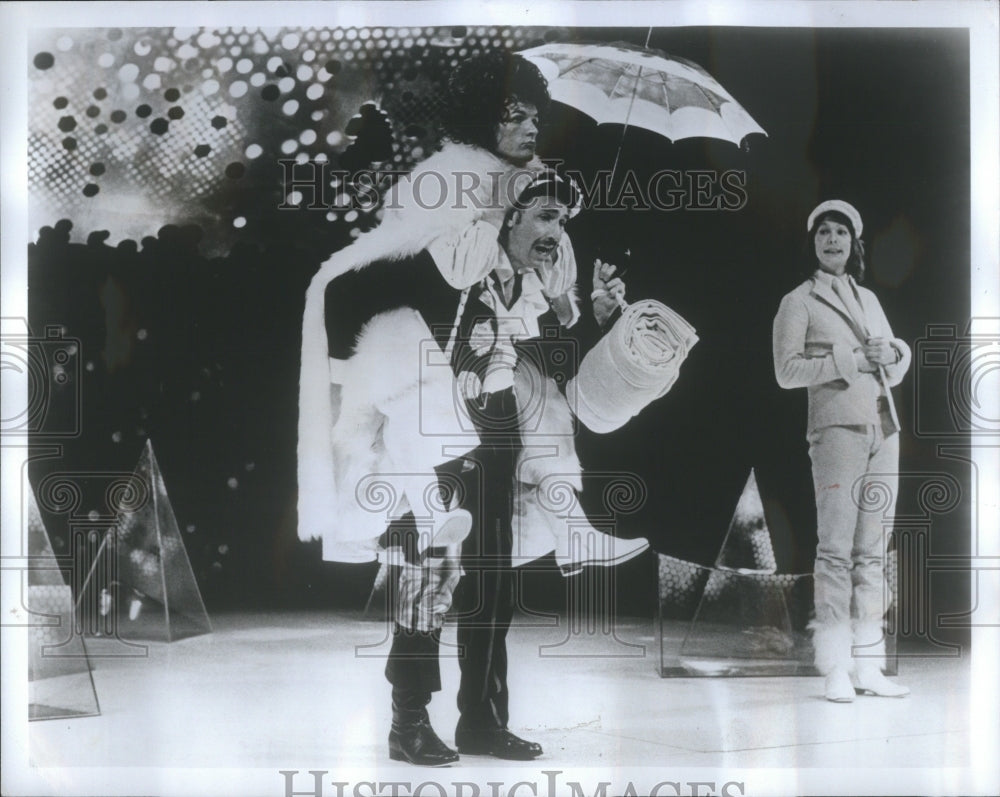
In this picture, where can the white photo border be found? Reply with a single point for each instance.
(980, 18)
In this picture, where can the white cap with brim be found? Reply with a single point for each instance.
(840, 206)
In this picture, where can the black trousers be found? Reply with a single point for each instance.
(484, 599)
(414, 661)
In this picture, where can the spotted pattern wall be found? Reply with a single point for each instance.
(132, 129)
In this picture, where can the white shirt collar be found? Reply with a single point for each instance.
(827, 278)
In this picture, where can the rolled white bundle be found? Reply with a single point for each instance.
(636, 362)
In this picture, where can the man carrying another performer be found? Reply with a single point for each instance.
(418, 394)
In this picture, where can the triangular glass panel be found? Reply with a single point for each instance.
(147, 587)
(60, 684)
(749, 620)
(742, 624)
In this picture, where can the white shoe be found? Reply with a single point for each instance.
(598, 549)
(868, 679)
(839, 688)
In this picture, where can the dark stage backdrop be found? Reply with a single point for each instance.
(159, 244)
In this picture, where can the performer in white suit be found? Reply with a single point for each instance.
(832, 338)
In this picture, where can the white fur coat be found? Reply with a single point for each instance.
(362, 443)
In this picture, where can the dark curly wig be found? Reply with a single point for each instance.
(480, 89)
(855, 261)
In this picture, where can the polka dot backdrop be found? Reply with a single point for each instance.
(130, 130)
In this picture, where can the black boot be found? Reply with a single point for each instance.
(497, 742)
(412, 738)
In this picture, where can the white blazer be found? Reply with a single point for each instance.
(813, 344)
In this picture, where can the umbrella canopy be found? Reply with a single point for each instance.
(620, 83)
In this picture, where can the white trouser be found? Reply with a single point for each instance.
(855, 476)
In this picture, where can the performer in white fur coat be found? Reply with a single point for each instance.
(449, 205)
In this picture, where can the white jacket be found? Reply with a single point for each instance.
(814, 338)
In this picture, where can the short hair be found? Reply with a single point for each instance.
(480, 90)
(855, 260)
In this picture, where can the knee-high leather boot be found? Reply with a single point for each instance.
(412, 738)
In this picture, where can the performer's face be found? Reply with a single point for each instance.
(833, 246)
(517, 133)
(534, 234)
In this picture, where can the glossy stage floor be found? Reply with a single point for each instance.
(300, 691)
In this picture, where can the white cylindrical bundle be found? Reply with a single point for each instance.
(636, 362)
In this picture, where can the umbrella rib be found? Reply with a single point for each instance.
(579, 62)
(667, 104)
(576, 63)
(621, 142)
(711, 96)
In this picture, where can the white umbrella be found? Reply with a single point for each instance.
(620, 83)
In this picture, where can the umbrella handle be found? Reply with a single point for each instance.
(620, 300)
(621, 273)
